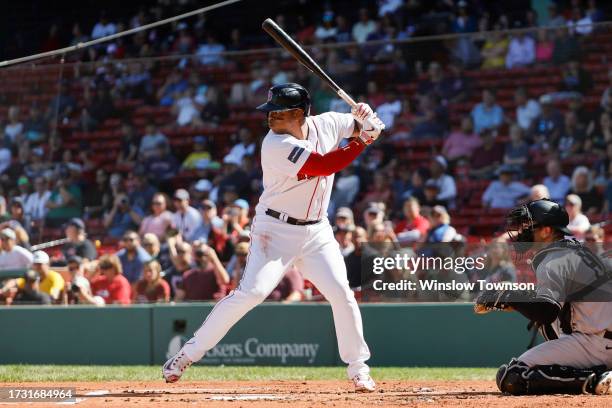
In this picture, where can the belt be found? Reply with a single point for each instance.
(289, 220)
(608, 335)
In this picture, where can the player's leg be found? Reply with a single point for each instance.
(323, 265)
(570, 364)
(268, 260)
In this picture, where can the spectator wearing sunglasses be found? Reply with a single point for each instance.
(132, 256)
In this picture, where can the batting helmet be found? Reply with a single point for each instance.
(287, 96)
(522, 220)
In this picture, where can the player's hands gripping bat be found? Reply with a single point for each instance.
(371, 125)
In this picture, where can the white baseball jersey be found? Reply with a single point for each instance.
(282, 157)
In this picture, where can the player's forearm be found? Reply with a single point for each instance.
(332, 162)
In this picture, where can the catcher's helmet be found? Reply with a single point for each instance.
(285, 97)
(521, 221)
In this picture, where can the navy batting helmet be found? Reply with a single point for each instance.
(285, 97)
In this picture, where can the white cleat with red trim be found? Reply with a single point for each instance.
(175, 367)
(364, 383)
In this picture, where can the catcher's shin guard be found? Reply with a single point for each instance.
(517, 378)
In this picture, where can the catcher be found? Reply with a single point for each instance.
(571, 305)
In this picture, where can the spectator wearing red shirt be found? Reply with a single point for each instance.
(151, 288)
(110, 284)
(207, 280)
(289, 288)
(487, 158)
(414, 227)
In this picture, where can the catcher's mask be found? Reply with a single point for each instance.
(524, 219)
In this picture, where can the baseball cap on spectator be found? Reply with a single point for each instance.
(506, 169)
(241, 203)
(8, 233)
(431, 184)
(441, 161)
(23, 180)
(17, 201)
(208, 204)
(74, 259)
(344, 228)
(345, 212)
(181, 194)
(574, 199)
(40, 257)
(374, 208)
(203, 185)
(75, 222)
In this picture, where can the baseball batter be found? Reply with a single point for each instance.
(572, 304)
(299, 157)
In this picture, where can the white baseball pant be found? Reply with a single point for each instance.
(275, 246)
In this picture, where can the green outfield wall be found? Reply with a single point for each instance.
(271, 334)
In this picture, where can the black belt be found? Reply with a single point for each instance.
(289, 220)
(608, 335)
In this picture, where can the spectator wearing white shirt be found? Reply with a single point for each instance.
(526, 109)
(447, 190)
(103, 28)
(579, 224)
(14, 128)
(557, 183)
(388, 6)
(246, 147)
(6, 158)
(579, 23)
(521, 51)
(13, 256)
(186, 219)
(149, 142)
(35, 203)
(504, 193)
(209, 53)
(388, 110)
(363, 27)
(187, 110)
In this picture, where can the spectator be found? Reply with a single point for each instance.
(599, 134)
(215, 109)
(235, 266)
(35, 204)
(579, 224)
(174, 85)
(544, 48)
(572, 138)
(582, 186)
(140, 191)
(566, 47)
(538, 192)
(606, 96)
(555, 19)
(595, 240)
(151, 288)
(526, 109)
(186, 219)
(162, 165)
(199, 153)
(160, 220)
(414, 227)
(150, 141)
(441, 230)
(375, 213)
(388, 110)
(30, 293)
(65, 199)
(346, 188)
(98, 197)
(546, 128)
(431, 190)
(181, 257)
(130, 145)
(343, 31)
(78, 290)
(122, 217)
(78, 244)
(103, 28)
(290, 288)
(431, 119)
(580, 23)
(487, 114)
(326, 31)
(498, 266)
(132, 256)
(135, 83)
(344, 217)
(51, 282)
(495, 48)
(576, 78)
(505, 193)
(487, 157)
(13, 256)
(207, 280)
(186, 110)
(460, 145)
(521, 51)
(98, 107)
(517, 151)
(557, 183)
(151, 244)
(6, 158)
(13, 131)
(110, 284)
(463, 22)
(445, 182)
(211, 222)
(364, 27)
(353, 260)
(246, 147)
(210, 52)
(344, 237)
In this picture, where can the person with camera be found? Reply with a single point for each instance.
(78, 290)
(122, 217)
(208, 280)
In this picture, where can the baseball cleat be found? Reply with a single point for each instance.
(604, 385)
(364, 383)
(175, 366)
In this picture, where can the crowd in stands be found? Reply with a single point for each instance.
(164, 214)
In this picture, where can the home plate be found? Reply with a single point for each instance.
(248, 397)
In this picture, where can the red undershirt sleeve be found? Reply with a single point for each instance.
(332, 162)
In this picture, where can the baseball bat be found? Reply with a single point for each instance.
(49, 244)
(303, 58)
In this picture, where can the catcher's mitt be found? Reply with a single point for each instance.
(490, 300)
